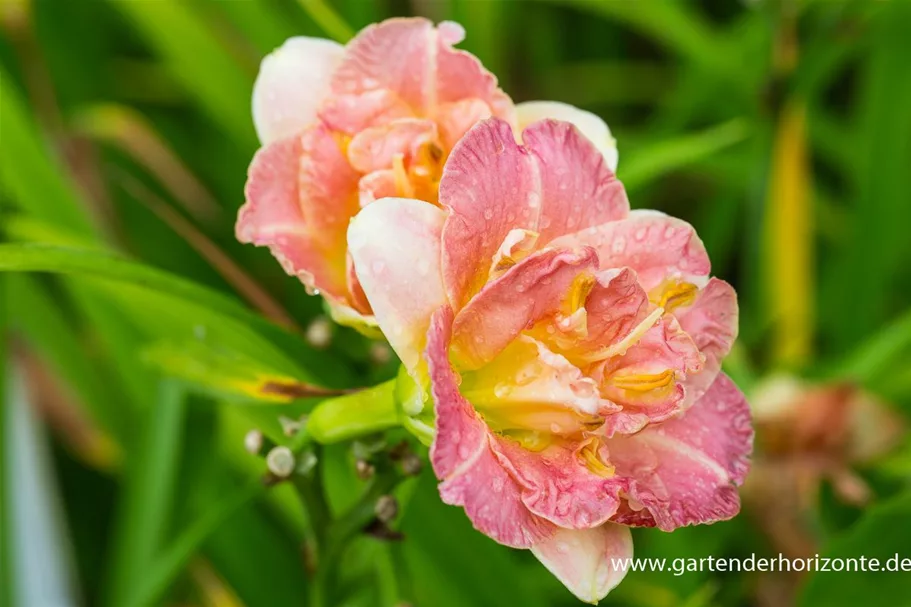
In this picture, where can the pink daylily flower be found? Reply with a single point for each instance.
(572, 350)
(342, 126)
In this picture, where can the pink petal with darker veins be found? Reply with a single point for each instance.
(493, 185)
(711, 321)
(686, 471)
(655, 245)
(463, 460)
(297, 222)
(557, 486)
(523, 295)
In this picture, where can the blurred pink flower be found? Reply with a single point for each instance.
(342, 126)
(572, 349)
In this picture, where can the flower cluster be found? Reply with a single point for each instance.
(565, 351)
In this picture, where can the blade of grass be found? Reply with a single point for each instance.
(860, 286)
(170, 563)
(50, 334)
(649, 163)
(233, 274)
(147, 494)
(676, 26)
(788, 245)
(35, 182)
(39, 546)
(328, 19)
(49, 258)
(199, 61)
(7, 582)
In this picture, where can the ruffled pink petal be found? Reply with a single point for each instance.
(590, 125)
(395, 246)
(657, 246)
(661, 360)
(524, 294)
(376, 185)
(461, 76)
(578, 189)
(351, 114)
(685, 471)
(292, 82)
(328, 189)
(557, 486)
(711, 321)
(614, 308)
(462, 458)
(589, 562)
(535, 391)
(456, 118)
(493, 185)
(395, 55)
(374, 149)
(406, 67)
(296, 221)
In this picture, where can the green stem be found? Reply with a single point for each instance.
(342, 531)
(352, 415)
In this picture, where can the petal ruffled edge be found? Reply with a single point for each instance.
(686, 471)
(293, 81)
(589, 124)
(462, 458)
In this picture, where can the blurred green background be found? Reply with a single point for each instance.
(135, 332)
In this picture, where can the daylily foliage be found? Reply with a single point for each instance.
(565, 351)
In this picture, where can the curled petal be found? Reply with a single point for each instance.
(568, 486)
(558, 183)
(530, 389)
(589, 562)
(292, 82)
(376, 185)
(374, 149)
(463, 460)
(711, 321)
(612, 313)
(656, 246)
(455, 118)
(647, 381)
(590, 125)
(400, 275)
(491, 186)
(294, 207)
(685, 471)
(406, 67)
(524, 294)
(578, 190)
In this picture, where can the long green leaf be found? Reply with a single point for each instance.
(199, 61)
(147, 495)
(860, 283)
(35, 182)
(6, 578)
(675, 25)
(52, 336)
(168, 565)
(649, 163)
(879, 534)
(48, 258)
